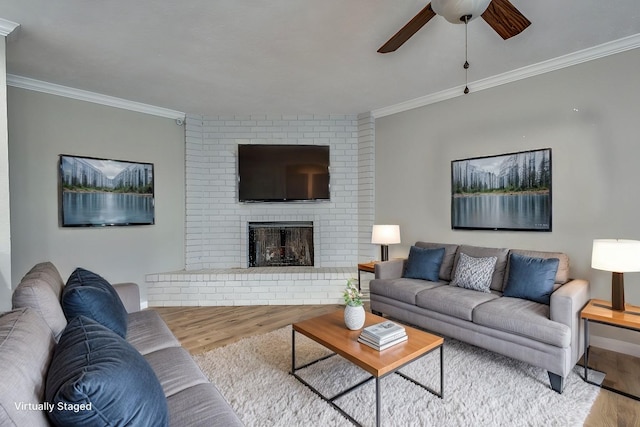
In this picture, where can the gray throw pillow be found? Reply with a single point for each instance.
(474, 273)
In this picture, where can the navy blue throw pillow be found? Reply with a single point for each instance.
(531, 278)
(88, 294)
(424, 263)
(96, 378)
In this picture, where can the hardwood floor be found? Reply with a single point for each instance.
(623, 372)
(201, 329)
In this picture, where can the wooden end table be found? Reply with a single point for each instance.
(329, 331)
(599, 311)
(367, 267)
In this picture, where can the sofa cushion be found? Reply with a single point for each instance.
(523, 317)
(453, 301)
(497, 281)
(474, 273)
(147, 332)
(95, 367)
(531, 278)
(175, 370)
(201, 406)
(562, 275)
(36, 293)
(404, 290)
(26, 346)
(88, 294)
(50, 274)
(446, 267)
(424, 263)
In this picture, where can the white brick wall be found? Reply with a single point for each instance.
(216, 222)
(257, 286)
(366, 190)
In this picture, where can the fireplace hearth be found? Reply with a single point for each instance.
(278, 244)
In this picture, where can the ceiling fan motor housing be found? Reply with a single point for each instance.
(454, 11)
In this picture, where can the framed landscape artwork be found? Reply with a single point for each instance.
(100, 192)
(506, 192)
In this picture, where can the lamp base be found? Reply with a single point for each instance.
(384, 253)
(617, 291)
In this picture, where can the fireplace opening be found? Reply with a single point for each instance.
(278, 244)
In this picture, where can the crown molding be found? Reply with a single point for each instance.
(585, 55)
(96, 98)
(7, 27)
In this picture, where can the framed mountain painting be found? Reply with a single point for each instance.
(504, 192)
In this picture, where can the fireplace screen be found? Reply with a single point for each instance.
(276, 244)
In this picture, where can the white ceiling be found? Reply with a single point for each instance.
(216, 57)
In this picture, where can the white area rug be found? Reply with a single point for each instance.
(481, 388)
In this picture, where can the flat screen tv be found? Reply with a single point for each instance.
(283, 173)
(101, 192)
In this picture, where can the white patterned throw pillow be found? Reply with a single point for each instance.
(474, 273)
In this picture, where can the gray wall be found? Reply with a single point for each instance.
(587, 114)
(41, 127)
(5, 223)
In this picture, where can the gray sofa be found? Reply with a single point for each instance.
(547, 336)
(29, 335)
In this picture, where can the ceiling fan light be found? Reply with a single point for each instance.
(454, 10)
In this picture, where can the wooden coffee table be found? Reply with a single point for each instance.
(329, 331)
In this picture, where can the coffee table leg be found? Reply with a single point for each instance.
(442, 371)
(293, 351)
(378, 398)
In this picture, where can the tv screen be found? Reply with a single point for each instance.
(283, 173)
(100, 192)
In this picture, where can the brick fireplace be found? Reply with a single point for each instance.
(280, 244)
(216, 228)
(216, 270)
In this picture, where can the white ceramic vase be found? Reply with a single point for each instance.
(354, 317)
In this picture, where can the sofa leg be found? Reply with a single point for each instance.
(377, 313)
(557, 382)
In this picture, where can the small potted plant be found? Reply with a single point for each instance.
(354, 309)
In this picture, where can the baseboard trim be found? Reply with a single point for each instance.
(615, 345)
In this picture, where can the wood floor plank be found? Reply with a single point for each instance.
(200, 329)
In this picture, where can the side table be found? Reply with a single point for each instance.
(599, 311)
(367, 267)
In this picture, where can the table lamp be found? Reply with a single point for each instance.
(617, 256)
(385, 235)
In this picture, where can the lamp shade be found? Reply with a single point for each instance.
(454, 10)
(385, 234)
(616, 255)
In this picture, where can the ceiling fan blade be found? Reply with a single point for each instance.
(408, 30)
(505, 19)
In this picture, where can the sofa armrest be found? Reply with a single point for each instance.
(565, 306)
(389, 269)
(129, 294)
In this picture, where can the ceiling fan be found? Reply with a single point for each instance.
(501, 15)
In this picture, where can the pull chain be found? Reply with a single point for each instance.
(466, 62)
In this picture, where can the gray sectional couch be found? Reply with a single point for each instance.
(29, 336)
(543, 335)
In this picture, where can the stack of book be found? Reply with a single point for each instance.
(383, 335)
